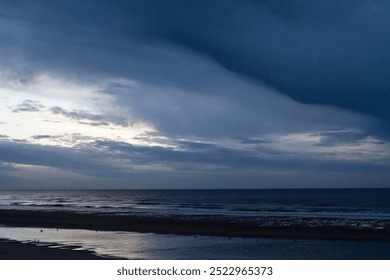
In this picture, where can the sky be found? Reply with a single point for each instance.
(194, 94)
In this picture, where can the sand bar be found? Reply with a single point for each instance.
(189, 225)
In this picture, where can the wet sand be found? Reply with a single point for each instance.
(14, 250)
(190, 225)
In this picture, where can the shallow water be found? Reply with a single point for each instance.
(158, 246)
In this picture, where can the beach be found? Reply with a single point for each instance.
(151, 246)
(14, 250)
(271, 227)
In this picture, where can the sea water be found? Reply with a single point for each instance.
(360, 208)
(348, 203)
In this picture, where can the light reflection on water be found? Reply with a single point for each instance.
(158, 246)
(128, 245)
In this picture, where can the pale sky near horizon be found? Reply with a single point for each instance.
(194, 94)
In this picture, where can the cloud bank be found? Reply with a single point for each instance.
(198, 94)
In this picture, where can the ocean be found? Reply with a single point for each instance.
(348, 203)
(356, 209)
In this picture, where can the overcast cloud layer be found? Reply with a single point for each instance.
(194, 94)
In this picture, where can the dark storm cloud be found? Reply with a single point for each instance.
(323, 52)
(209, 69)
(230, 107)
(333, 52)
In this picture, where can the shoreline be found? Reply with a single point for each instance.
(17, 250)
(186, 225)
